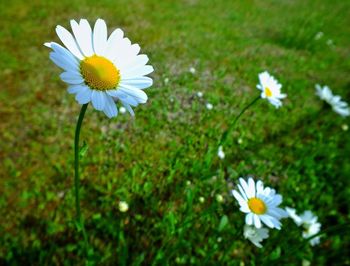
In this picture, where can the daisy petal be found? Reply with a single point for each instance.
(110, 108)
(98, 99)
(100, 36)
(68, 40)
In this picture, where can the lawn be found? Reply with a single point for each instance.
(164, 162)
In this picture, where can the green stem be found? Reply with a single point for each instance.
(232, 126)
(80, 221)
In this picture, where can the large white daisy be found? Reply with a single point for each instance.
(339, 106)
(270, 89)
(260, 204)
(101, 69)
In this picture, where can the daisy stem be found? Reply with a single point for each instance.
(232, 126)
(76, 174)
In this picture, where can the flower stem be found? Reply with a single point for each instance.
(80, 222)
(232, 126)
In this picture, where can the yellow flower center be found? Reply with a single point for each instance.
(268, 92)
(257, 206)
(99, 73)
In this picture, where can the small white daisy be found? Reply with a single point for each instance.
(101, 69)
(255, 235)
(166, 80)
(219, 198)
(309, 223)
(200, 94)
(338, 106)
(345, 127)
(221, 153)
(270, 89)
(192, 70)
(260, 204)
(123, 206)
(209, 106)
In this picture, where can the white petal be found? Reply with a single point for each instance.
(266, 220)
(63, 58)
(100, 36)
(68, 40)
(74, 89)
(84, 96)
(111, 44)
(110, 109)
(137, 94)
(140, 83)
(249, 218)
(98, 99)
(137, 72)
(83, 35)
(71, 78)
(127, 106)
(239, 198)
(257, 222)
(133, 62)
(251, 188)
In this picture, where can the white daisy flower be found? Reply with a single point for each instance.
(270, 89)
(123, 206)
(319, 35)
(260, 204)
(209, 106)
(309, 223)
(101, 69)
(200, 94)
(221, 153)
(255, 235)
(192, 70)
(338, 106)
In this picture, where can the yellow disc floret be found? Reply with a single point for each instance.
(99, 73)
(257, 206)
(268, 92)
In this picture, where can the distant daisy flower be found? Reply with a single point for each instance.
(122, 110)
(260, 204)
(309, 223)
(338, 106)
(270, 89)
(123, 206)
(100, 69)
(319, 35)
(219, 198)
(209, 106)
(255, 235)
(221, 153)
(201, 199)
(330, 42)
(200, 94)
(166, 80)
(192, 70)
(345, 127)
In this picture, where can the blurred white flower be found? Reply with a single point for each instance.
(201, 199)
(239, 141)
(166, 80)
(309, 223)
(255, 235)
(188, 183)
(123, 206)
(319, 35)
(338, 106)
(345, 127)
(122, 110)
(209, 106)
(221, 153)
(270, 89)
(200, 94)
(330, 42)
(192, 70)
(260, 204)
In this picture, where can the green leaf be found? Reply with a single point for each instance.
(83, 149)
(223, 223)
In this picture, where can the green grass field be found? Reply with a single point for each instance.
(163, 161)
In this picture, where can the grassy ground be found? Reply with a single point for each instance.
(165, 159)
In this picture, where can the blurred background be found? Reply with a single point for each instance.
(164, 162)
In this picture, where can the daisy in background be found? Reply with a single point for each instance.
(101, 69)
(309, 223)
(260, 204)
(338, 106)
(255, 235)
(221, 153)
(270, 89)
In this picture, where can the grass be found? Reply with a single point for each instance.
(165, 159)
